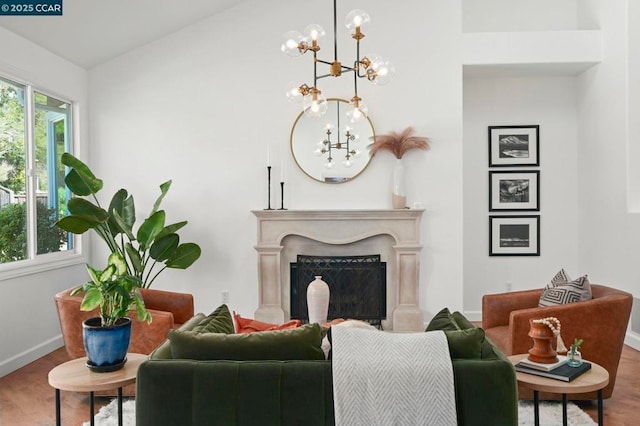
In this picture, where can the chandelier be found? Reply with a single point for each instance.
(375, 69)
(325, 146)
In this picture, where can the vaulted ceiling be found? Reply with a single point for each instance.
(91, 32)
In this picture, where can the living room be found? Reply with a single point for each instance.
(208, 96)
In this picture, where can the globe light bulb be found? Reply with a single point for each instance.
(314, 104)
(329, 164)
(356, 18)
(357, 113)
(293, 93)
(290, 45)
(314, 32)
(380, 71)
(357, 153)
(347, 162)
(318, 152)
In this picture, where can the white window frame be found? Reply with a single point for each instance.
(37, 263)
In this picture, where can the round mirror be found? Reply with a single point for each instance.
(330, 148)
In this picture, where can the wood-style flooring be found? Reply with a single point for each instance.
(27, 399)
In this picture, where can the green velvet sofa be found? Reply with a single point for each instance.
(298, 393)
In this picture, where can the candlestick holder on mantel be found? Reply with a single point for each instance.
(268, 188)
(282, 196)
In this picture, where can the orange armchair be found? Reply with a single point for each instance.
(601, 322)
(168, 309)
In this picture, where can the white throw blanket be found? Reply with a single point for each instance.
(393, 379)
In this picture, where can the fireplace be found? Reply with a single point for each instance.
(357, 284)
(394, 234)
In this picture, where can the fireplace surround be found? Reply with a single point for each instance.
(395, 234)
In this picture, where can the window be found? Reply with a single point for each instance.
(35, 129)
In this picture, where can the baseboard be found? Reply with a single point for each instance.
(20, 360)
(632, 339)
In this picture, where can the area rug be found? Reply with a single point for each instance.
(550, 414)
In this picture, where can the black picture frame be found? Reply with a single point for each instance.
(514, 190)
(514, 146)
(514, 235)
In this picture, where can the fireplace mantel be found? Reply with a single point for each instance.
(341, 227)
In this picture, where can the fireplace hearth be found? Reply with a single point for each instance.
(358, 286)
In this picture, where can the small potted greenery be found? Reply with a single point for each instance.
(153, 245)
(114, 292)
(574, 355)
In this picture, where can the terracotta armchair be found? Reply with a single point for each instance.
(601, 322)
(168, 309)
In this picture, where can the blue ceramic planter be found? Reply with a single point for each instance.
(106, 347)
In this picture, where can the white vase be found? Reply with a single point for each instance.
(318, 301)
(398, 196)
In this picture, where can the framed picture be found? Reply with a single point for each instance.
(514, 235)
(514, 146)
(514, 190)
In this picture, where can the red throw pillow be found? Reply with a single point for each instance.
(248, 325)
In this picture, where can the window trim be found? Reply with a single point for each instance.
(38, 263)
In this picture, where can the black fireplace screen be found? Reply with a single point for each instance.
(358, 286)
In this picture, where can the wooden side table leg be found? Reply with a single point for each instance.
(119, 406)
(600, 409)
(91, 409)
(536, 408)
(58, 418)
(564, 409)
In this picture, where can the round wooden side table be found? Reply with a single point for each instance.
(593, 380)
(75, 376)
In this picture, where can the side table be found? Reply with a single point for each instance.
(75, 376)
(593, 380)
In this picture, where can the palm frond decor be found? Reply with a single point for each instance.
(398, 143)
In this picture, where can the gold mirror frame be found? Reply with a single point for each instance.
(307, 132)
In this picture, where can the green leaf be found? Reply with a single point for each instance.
(163, 248)
(150, 229)
(123, 204)
(134, 257)
(122, 225)
(75, 225)
(80, 180)
(92, 299)
(163, 189)
(116, 260)
(83, 209)
(107, 274)
(184, 256)
(170, 229)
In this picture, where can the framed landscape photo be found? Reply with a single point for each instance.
(514, 235)
(514, 190)
(514, 146)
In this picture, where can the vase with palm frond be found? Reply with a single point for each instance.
(398, 145)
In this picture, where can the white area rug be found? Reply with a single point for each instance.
(550, 414)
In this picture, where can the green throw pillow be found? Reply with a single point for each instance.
(443, 321)
(302, 343)
(465, 344)
(461, 321)
(219, 321)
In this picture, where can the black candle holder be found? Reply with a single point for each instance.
(282, 196)
(269, 188)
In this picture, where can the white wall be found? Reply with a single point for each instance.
(550, 103)
(201, 105)
(27, 311)
(518, 15)
(609, 243)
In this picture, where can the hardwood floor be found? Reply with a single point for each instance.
(27, 399)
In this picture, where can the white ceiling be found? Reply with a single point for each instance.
(90, 32)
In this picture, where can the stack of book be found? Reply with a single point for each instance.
(559, 370)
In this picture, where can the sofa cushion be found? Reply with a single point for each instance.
(248, 325)
(164, 350)
(443, 320)
(294, 344)
(562, 289)
(219, 321)
(465, 344)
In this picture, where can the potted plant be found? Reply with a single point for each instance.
(574, 355)
(115, 292)
(152, 246)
